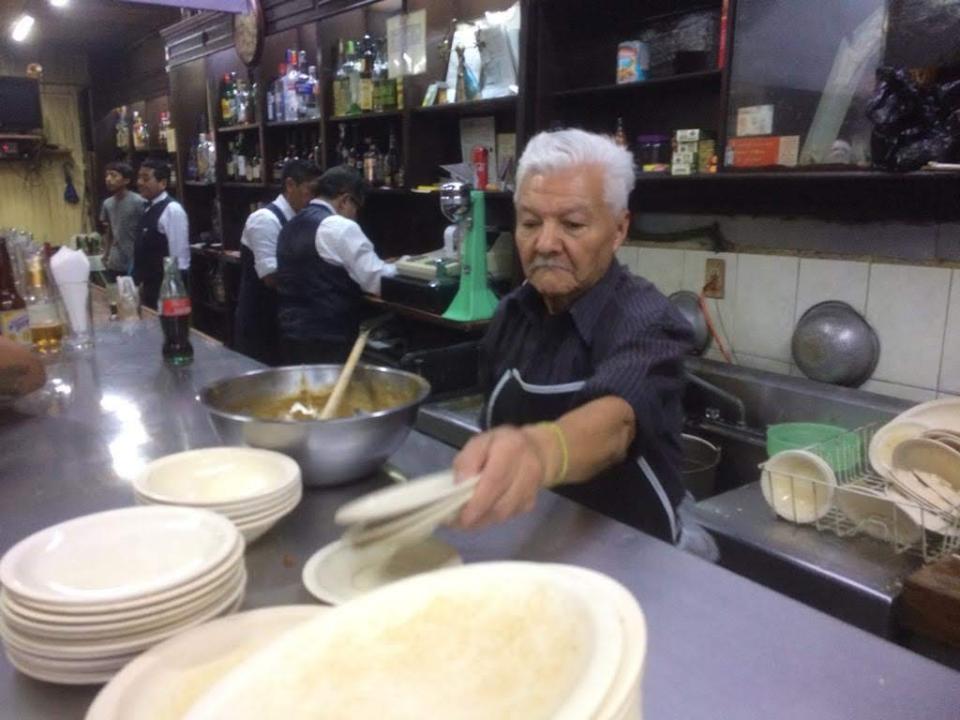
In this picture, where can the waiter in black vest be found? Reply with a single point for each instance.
(164, 230)
(324, 265)
(255, 330)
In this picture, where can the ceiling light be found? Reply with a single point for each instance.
(59, 3)
(21, 27)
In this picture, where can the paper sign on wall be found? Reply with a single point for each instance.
(407, 44)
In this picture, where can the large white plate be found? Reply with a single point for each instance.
(886, 439)
(220, 478)
(339, 572)
(118, 555)
(256, 505)
(798, 485)
(399, 499)
(478, 641)
(139, 606)
(164, 682)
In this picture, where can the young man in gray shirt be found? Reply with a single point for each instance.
(121, 214)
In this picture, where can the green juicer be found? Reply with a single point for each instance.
(463, 205)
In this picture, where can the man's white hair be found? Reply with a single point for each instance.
(564, 149)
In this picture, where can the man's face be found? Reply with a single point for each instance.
(148, 184)
(298, 195)
(115, 181)
(566, 233)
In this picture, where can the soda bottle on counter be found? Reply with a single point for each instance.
(175, 315)
(46, 325)
(14, 321)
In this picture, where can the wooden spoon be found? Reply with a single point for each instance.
(333, 402)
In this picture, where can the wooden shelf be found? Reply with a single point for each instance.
(653, 83)
(157, 150)
(243, 184)
(367, 116)
(198, 184)
(237, 128)
(295, 123)
(475, 107)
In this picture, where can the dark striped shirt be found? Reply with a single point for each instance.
(622, 337)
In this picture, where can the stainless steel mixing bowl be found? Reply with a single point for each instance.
(328, 451)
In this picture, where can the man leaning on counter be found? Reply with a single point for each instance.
(582, 366)
(256, 331)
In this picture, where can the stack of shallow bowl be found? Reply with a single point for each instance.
(918, 452)
(82, 598)
(253, 488)
(497, 640)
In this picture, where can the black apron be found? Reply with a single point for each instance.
(149, 250)
(256, 332)
(629, 492)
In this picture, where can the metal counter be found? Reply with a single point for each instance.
(720, 646)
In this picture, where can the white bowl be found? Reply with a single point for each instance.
(220, 478)
(878, 515)
(798, 485)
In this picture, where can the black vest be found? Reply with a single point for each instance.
(255, 325)
(318, 301)
(151, 246)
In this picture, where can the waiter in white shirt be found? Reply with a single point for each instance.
(325, 264)
(255, 328)
(164, 230)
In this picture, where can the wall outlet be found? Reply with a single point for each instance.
(715, 278)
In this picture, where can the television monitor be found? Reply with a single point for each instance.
(20, 105)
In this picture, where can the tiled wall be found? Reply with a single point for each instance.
(914, 309)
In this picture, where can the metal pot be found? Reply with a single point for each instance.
(698, 468)
(329, 451)
(688, 303)
(833, 343)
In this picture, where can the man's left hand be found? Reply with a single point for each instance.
(512, 468)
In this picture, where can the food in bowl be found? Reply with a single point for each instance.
(308, 403)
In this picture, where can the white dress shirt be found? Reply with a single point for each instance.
(174, 224)
(260, 236)
(341, 242)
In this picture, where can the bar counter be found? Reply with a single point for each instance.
(719, 647)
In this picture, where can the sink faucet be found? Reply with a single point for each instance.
(713, 413)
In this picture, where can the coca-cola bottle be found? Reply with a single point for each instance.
(14, 321)
(175, 316)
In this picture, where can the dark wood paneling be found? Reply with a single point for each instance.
(197, 37)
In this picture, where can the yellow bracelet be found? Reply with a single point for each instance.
(564, 452)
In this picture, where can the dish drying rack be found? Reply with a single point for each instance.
(848, 455)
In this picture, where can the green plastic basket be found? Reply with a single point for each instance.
(841, 448)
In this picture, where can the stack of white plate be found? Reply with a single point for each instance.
(82, 598)
(496, 640)
(404, 514)
(253, 488)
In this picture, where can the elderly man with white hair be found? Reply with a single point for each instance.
(582, 366)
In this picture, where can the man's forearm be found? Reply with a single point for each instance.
(597, 436)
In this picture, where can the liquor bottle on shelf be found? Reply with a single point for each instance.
(353, 79)
(620, 135)
(313, 101)
(242, 103)
(341, 82)
(291, 107)
(241, 158)
(384, 89)
(46, 325)
(14, 320)
(342, 151)
(279, 112)
(277, 167)
(366, 75)
(123, 130)
(227, 102)
(137, 131)
(175, 316)
(271, 104)
(162, 132)
(391, 162)
(230, 166)
(371, 163)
